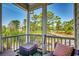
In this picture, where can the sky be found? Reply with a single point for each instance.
(63, 10)
(12, 12)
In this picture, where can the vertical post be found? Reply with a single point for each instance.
(0, 27)
(44, 25)
(28, 26)
(77, 28)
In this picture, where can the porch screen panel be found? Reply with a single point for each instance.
(36, 26)
(13, 24)
(60, 20)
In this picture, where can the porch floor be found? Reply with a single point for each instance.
(12, 53)
(8, 53)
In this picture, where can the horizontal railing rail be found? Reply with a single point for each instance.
(13, 42)
(60, 37)
(51, 40)
(22, 35)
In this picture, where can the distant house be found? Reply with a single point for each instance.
(20, 29)
(11, 26)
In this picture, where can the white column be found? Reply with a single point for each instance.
(0, 18)
(28, 25)
(0, 27)
(44, 25)
(77, 26)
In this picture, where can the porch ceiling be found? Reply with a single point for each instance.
(32, 6)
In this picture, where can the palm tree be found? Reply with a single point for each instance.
(24, 22)
(58, 26)
(34, 18)
(24, 27)
(33, 23)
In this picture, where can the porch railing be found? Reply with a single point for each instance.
(51, 40)
(13, 42)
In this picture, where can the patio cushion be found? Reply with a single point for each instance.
(28, 49)
(62, 50)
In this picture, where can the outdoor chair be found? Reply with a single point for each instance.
(28, 49)
(62, 50)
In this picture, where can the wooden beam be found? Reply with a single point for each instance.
(24, 6)
(36, 6)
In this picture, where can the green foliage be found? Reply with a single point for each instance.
(3, 29)
(14, 24)
(58, 24)
(24, 22)
(68, 26)
(35, 24)
(12, 28)
(53, 24)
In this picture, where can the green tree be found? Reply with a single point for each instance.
(68, 26)
(33, 23)
(24, 22)
(24, 26)
(58, 26)
(50, 20)
(14, 25)
(57, 23)
(34, 18)
(3, 29)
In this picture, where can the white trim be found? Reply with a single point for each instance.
(44, 25)
(77, 26)
(28, 25)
